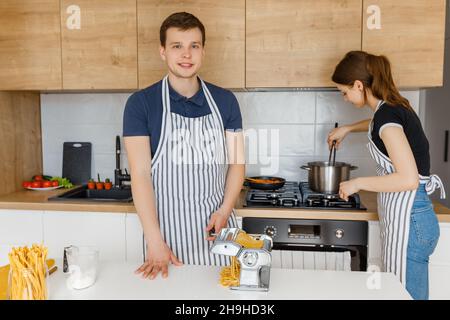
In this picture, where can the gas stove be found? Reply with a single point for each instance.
(300, 195)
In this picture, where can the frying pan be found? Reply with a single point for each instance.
(253, 183)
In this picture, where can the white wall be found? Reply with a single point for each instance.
(301, 118)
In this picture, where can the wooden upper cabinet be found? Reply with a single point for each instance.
(99, 44)
(411, 34)
(298, 43)
(30, 46)
(224, 21)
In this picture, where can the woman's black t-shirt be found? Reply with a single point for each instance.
(388, 115)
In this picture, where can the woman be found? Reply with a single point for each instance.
(397, 143)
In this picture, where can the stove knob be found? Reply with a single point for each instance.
(339, 233)
(270, 231)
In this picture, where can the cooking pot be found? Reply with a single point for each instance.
(324, 177)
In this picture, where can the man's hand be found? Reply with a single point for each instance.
(159, 256)
(219, 220)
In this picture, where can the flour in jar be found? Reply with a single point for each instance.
(79, 279)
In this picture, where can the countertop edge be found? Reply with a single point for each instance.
(26, 200)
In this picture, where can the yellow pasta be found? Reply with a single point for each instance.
(229, 276)
(28, 272)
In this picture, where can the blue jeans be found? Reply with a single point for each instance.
(423, 238)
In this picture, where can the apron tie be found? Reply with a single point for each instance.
(431, 183)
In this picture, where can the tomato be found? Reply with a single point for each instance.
(46, 184)
(38, 178)
(55, 183)
(26, 184)
(36, 184)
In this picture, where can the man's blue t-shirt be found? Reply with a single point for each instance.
(144, 109)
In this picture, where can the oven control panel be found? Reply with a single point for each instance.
(308, 231)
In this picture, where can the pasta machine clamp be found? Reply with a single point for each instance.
(254, 263)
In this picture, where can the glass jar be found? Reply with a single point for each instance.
(28, 284)
(82, 266)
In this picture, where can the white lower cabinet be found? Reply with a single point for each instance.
(106, 231)
(439, 266)
(19, 228)
(239, 222)
(374, 245)
(134, 238)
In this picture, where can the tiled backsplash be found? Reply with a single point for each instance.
(301, 119)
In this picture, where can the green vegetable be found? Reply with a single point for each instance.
(63, 182)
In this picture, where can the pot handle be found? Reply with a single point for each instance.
(353, 167)
(305, 168)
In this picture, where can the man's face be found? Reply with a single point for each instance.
(183, 52)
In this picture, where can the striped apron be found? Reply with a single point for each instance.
(394, 212)
(189, 171)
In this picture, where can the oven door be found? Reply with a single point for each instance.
(319, 257)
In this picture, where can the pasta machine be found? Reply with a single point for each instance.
(254, 263)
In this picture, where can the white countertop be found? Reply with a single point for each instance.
(117, 281)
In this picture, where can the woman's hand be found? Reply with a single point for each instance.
(218, 220)
(337, 134)
(347, 188)
(159, 256)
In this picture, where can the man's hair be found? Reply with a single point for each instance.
(183, 21)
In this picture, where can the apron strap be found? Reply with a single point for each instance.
(431, 183)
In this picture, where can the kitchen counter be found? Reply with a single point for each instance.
(117, 281)
(38, 200)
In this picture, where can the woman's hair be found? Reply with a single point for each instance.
(375, 74)
(183, 21)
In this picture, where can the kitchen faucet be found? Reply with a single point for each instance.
(119, 177)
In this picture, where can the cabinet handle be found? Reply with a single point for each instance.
(374, 18)
(73, 22)
(446, 146)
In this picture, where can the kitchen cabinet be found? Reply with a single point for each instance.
(106, 231)
(374, 246)
(411, 34)
(299, 43)
(439, 267)
(20, 135)
(224, 21)
(134, 234)
(30, 45)
(134, 240)
(99, 44)
(19, 228)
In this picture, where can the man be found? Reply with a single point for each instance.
(184, 143)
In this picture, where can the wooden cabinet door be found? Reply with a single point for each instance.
(224, 21)
(411, 34)
(30, 45)
(99, 44)
(298, 43)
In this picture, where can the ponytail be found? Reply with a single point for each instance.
(375, 74)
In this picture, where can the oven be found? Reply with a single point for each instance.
(314, 243)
